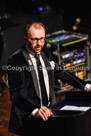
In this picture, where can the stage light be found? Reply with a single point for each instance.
(76, 23)
(40, 9)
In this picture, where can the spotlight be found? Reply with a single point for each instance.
(40, 9)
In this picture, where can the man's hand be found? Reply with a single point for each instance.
(44, 113)
(90, 88)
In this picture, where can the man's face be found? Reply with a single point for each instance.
(36, 39)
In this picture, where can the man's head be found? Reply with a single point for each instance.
(35, 36)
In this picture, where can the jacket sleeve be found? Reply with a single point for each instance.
(67, 77)
(15, 81)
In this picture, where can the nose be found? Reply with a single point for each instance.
(38, 41)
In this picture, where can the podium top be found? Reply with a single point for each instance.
(76, 99)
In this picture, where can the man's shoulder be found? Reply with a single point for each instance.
(15, 54)
(18, 51)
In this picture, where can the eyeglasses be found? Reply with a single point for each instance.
(35, 40)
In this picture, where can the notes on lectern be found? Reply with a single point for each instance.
(75, 108)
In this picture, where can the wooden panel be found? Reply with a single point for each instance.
(5, 107)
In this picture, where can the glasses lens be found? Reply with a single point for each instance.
(42, 39)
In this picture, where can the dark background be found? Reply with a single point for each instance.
(14, 14)
(56, 15)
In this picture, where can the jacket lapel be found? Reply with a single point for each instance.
(34, 76)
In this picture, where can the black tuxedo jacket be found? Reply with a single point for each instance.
(24, 90)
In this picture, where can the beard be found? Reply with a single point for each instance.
(30, 47)
(34, 49)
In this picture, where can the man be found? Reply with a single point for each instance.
(25, 83)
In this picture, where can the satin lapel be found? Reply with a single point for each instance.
(34, 76)
(48, 66)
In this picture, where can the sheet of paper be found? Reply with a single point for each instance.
(75, 108)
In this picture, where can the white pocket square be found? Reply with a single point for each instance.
(52, 63)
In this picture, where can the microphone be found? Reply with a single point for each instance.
(74, 78)
(71, 75)
(76, 23)
(85, 88)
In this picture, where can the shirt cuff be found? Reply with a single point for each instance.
(87, 86)
(34, 112)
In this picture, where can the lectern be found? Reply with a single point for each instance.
(66, 122)
(72, 122)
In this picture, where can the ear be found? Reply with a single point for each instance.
(26, 40)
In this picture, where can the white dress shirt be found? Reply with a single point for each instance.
(46, 78)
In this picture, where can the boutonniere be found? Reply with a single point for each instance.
(29, 62)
